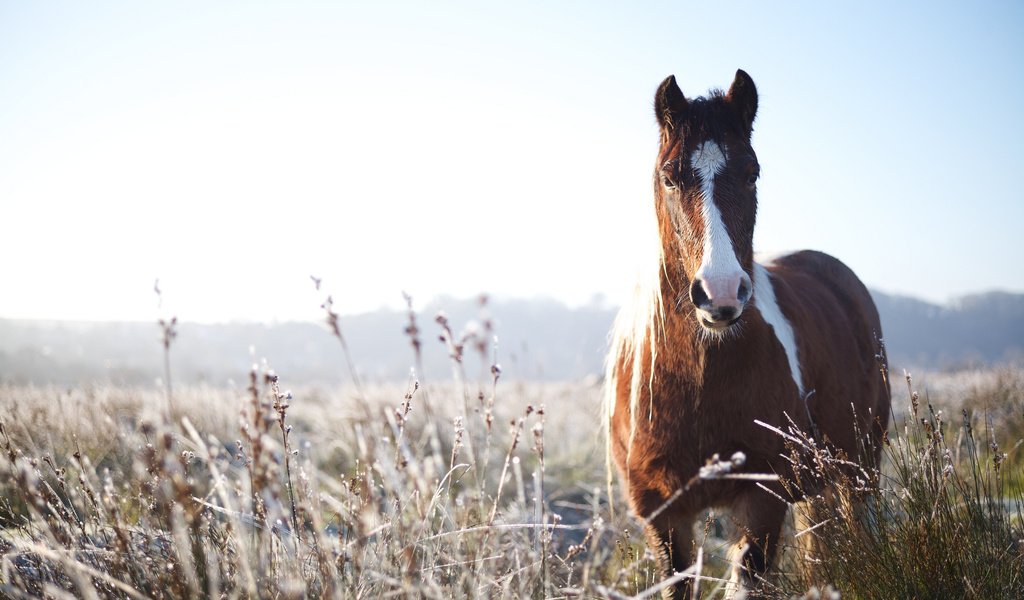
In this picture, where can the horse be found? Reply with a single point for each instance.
(715, 342)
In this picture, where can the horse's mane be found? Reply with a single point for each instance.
(636, 329)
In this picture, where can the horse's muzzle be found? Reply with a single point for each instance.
(720, 300)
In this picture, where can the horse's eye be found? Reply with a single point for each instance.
(752, 178)
(667, 182)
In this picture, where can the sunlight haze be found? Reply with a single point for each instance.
(233, 150)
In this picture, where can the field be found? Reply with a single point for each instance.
(472, 487)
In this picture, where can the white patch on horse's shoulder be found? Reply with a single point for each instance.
(764, 299)
(770, 258)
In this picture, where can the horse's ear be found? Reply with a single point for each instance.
(742, 96)
(669, 104)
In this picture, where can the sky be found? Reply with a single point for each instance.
(231, 150)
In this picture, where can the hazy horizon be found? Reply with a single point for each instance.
(449, 149)
(441, 303)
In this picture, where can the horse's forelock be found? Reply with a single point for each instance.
(707, 118)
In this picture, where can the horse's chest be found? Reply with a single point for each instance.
(683, 432)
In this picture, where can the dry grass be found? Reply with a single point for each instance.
(941, 519)
(263, 492)
(469, 488)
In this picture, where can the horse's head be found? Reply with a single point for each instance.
(705, 188)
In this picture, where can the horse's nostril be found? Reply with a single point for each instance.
(697, 295)
(744, 292)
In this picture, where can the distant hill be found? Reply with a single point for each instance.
(974, 330)
(537, 339)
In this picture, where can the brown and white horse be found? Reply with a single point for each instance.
(716, 341)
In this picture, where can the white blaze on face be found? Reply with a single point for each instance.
(719, 269)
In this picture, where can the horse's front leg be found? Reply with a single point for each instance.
(759, 516)
(670, 538)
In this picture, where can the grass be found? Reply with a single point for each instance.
(303, 493)
(469, 488)
(941, 519)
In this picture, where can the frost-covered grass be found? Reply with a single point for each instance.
(468, 488)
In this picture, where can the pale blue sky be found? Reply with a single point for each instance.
(440, 147)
